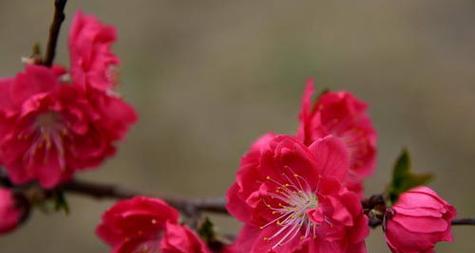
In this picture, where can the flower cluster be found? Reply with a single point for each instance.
(51, 127)
(302, 193)
(147, 225)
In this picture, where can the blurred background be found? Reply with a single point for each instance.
(208, 77)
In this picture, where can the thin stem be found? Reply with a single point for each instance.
(463, 221)
(58, 19)
(190, 207)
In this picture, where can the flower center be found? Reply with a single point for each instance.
(47, 120)
(295, 198)
(45, 133)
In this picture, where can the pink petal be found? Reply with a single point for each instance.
(331, 157)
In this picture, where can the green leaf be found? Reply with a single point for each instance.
(403, 178)
(206, 230)
(60, 202)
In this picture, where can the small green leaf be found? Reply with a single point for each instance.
(60, 202)
(403, 178)
(206, 230)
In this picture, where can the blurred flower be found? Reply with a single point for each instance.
(290, 199)
(343, 115)
(147, 225)
(10, 215)
(50, 129)
(92, 62)
(417, 221)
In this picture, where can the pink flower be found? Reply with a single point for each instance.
(92, 62)
(290, 199)
(419, 219)
(149, 225)
(50, 129)
(10, 214)
(344, 116)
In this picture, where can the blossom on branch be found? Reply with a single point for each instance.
(50, 129)
(10, 214)
(342, 115)
(417, 221)
(290, 199)
(147, 225)
(92, 62)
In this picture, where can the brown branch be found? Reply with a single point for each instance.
(107, 191)
(191, 207)
(463, 221)
(188, 206)
(58, 19)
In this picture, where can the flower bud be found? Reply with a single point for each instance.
(10, 214)
(417, 221)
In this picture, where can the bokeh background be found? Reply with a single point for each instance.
(208, 77)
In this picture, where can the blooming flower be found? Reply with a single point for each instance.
(147, 225)
(10, 215)
(418, 220)
(50, 129)
(290, 199)
(92, 61)
(344, 116)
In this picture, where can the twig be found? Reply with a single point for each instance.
(463, 221)
(58, 19)
(191, 207)
(104, 191)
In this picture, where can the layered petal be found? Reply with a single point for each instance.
(138, 216)
(420, 219)
(181, 239)
(290, 199)
(92, 61)
(143, 224)
(343, 116)
(50, 129)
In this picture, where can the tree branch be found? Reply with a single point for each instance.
(463, 221)
(58, 19)
(108, 191)
(188, 206)
(191, 207)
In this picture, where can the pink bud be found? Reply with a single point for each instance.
(9, 213)
(420, 219)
